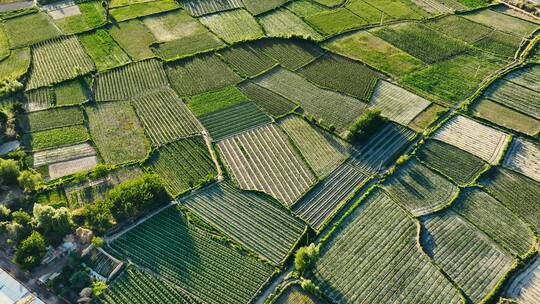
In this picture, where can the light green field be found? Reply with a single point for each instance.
(134, 38)
(105, 52)
(92, 16)
(233, 26)
(29, 29)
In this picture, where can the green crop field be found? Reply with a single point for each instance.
(274, 104)
(105, 52)
(200, 74)
(183, 164)
(261, 224)
(323, 152)
(474, 262)
(335, 109)
(271, 151)
(419, 189)
(58, 60)
(209, 269)
(247, 60)
(233, 119)
(373, 253)
(462, 167)
(490, 216)
(233, 26)
(341, 74)
(128, 81)
(164, 116)
(267, 149)
(117, 132)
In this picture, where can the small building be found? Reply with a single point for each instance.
(13, 292)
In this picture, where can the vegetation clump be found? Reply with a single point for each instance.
(365, 126)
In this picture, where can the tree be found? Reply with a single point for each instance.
(28, 180)
(9, 171)
(305, 258)
(366, 125)
(20, 226)
(4, 213)
(30, 251)
(79, 280)
(98, 242)
(53, 223)
(98, 216)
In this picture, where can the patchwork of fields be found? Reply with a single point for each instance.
(256, 118)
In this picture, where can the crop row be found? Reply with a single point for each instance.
(62, 154)
(165, 116)
(190, 258)
(516, 97)
(182, 164)
(373, 254)
(524, 157)
(248, 60)
(263, 159)
(260, 224)
(274, 104)
(204, 7)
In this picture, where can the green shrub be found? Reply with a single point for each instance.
(30, 251)
(9, 171)
(366, 125)
(28, 180)
(305, 258)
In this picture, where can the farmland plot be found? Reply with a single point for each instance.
(383, 147)
(367, 12)
(262, 225)
(264, 160)
(143, 9)
(459, 28)
(434, 7)
(134, 38)
(274, 104)
(131, 80)
(498, 222)
(62, 154)
(462, 167)
(502, 22)
(198, 8)
(282, 23)
(421, 41)
(499, 43)
(233, 26)
(396, 103)
(373, 254)
(528, 77)
(473, 137)
(116, 132)
(180, 35)
(525, 287)
(524, 157)
(165, 117)
(137, 286)
(336, 21)
(55, 138)
(322, 151)
(319, 204)
(90, 15)
(209, 102)
(516, 97)
(517, 192)
(341, 74)
(399, 9)
(39, 99)
(72, 92)
(247, 60)
(29, 29)
(100, 261)
(183, 164)
(333, 108)
(105, 52)
(233, 119)
(506, 117)
(57, 60)
(305, 8)
(200, 74)
(291, 53)
(256, 7)
(209, 269)
(419, 189)
(16, 65)
(50, 119)
(467, 255)
(374, 51)
(452, 80)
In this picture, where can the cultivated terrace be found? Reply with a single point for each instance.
(271, 151)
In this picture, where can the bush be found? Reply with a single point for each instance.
(53, 223)
(28, 180)
(305, 258)
(98, 242)
(310, 287)
(366, 125)
(98, 216)
(4, 213)
(31, 251)
(9, 171)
